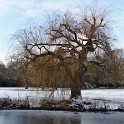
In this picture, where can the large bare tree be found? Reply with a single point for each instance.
(65, 43)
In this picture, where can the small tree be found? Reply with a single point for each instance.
(66, 44)
(116, 64)
(17, 70)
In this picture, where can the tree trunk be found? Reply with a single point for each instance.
(75, 92)
(76, 83)
(76, 80)
(26, 83)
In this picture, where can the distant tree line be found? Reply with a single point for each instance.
(11, 73)
(14, 74)
(8, 76)
(112, 75)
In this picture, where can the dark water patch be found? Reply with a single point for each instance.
(60, 117)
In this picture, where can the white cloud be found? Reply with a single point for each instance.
(61, 5)
(24, 7)
(33, 7)
(4, 6)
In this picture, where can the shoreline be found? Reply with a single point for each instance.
(62, 105)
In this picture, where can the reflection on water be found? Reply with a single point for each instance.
(57, 117)
(36, 117)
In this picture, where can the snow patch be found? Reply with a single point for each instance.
(98, 99)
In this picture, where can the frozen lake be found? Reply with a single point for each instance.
(59, 117)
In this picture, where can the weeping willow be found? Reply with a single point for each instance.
(49, 74)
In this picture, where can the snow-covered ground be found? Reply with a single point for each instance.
(98, 98)
(21, 92)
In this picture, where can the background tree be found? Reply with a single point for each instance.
(117, 67)
(3, 75)
(16, 70)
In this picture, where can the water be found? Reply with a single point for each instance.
(58, 117)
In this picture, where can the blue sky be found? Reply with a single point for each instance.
(17, 14)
